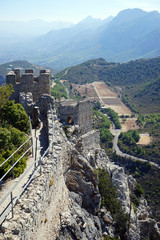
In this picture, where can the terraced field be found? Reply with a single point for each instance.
(100, 91)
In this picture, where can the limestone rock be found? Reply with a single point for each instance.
(149, 229)
(108, 227)
(81, 179)
(78, 224)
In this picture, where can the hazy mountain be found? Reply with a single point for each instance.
(2, 80)
(16, 31)
(132, 34)
(92, 23)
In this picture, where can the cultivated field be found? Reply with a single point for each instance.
(87, 90)
(100, 91)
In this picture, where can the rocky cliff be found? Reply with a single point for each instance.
(63, 200)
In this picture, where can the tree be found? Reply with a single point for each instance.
(111, 203)
(97, 105)
(5, 138)
(135, 135)
(5, 93)
(15, 115)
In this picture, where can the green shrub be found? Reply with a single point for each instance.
(111, 203)
(138, 190)
(5, 92)
(5, 138)
(59, 90)
(10, 140)
(113, 116)
(15, 115)
(19, 167)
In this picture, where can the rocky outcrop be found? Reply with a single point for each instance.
(107, 223)
(81, 179)
(63, 200)
(149, 229)
(77, 223)
(124, 184)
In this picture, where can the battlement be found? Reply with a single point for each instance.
(27, 82)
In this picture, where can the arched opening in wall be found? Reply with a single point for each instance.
(69, 120)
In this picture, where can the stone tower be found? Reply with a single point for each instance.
(28, 83)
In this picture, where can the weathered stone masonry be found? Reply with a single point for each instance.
(71, 112)
(28, 83)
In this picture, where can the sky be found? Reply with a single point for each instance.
(69, 10)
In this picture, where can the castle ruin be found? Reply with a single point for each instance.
(71, 112)
(28, 83)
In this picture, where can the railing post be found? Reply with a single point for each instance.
(40, 162)
(35, 160)
(52, 125)
(12, 169)
(12, 204)
(31, 136)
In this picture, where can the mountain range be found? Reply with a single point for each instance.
(132, 34)
(18, 31)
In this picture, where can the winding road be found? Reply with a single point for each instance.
(116, 133)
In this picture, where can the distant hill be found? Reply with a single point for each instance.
(6, 67)
(2, 80)
(16, 31)
(139, 80)
(132, 34)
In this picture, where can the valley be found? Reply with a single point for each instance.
(132, 90)
(99, 91)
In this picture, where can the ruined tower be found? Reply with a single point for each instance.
(71, 112)
(28, 83)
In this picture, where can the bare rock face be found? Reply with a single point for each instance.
(81, 179)
(149, 229)
(108, 227)
(77, 223)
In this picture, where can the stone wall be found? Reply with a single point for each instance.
(63, 201)
(80, 114)
(28, 83)
(84, 116)
(36, 215)
(47, 209)
(88, 141)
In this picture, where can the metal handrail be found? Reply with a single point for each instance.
(15, 163)
(13, 201)
(14, 152)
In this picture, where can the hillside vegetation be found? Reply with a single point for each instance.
(149, 123)
(149, 178)
(138, 81)
(14, 123)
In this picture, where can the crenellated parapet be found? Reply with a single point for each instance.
(27, 82)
